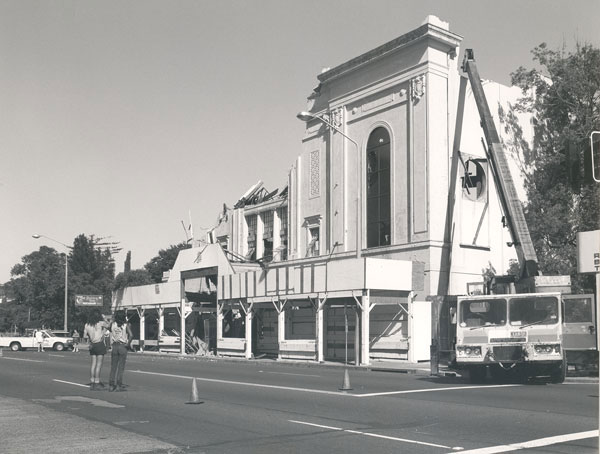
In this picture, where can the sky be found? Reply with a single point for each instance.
(119, 119)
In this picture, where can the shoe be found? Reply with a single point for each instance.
(112, 388)
(101, 385)
(121, 389)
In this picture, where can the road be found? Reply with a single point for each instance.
(268, 407)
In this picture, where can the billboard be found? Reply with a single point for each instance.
(89, 300)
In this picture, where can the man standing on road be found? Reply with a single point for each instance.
(120, 338)
(75, 341)
(94, 331)
(39, 340)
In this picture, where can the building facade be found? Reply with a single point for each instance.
(390, 203)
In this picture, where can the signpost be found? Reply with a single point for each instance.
(588, 260)
(89, 300)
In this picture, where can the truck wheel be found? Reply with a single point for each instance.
(477, 374)
(15, 346)
(559, 372)
(59, 347)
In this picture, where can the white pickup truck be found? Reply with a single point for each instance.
(23, 342)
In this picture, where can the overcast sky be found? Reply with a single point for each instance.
(119, 117)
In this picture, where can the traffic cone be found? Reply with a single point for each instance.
(346, 386)
(194, 399)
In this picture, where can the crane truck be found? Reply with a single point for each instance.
(519, 326)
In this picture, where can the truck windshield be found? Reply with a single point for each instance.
(542, 310)
(482, 312)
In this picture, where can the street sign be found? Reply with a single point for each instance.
(588, 252)
(89, 300)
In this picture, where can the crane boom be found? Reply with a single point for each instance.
(511, 205)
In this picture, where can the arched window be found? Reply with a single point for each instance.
(378, 188)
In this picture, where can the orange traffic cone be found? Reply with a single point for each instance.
(194, 399)
(346, 386)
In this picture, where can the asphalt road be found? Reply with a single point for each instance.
(268, 407)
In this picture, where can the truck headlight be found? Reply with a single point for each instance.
(470, 351)
(547, 349)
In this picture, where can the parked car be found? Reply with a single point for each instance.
(63, 335)
(16, 343)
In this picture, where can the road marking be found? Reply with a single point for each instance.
(23, 359)
(288, 373)
(428, 390)
(94, 402)
(70, 383)
(257, 385)
(58, 356)
(318, 391)
(534, 443)
(368, 434)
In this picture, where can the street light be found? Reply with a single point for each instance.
(37, 237)
(307, 116)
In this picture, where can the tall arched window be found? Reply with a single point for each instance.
(378, 188)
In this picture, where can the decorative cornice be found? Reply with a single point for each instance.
(417, 88)
(452, 40)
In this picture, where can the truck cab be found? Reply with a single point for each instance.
(516, 333)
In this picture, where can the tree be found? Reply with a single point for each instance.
(92, 272)
(127, 266)
(37, 286)
(563, 97)
(164, 261)
(132, 278)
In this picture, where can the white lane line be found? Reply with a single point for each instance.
(257, 385)
(317, 391)
(288, 373)
(58, 356)
(534, 443)
(23, 359)
(428, 390)
(368, 434)
(70, 383)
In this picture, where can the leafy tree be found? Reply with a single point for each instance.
(164, 261)
(127, 266)
(132, 278)
(563, 96)
(92, 272)
(37, 286)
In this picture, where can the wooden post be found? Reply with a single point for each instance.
(249, 317)
(364, 329)
(142, 315)
(280, 327)
(182, 327)
(320, 330)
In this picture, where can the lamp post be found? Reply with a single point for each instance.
(37, 237)
(307, 116)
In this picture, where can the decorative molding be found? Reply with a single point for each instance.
(337, 117)
(417, 88)
(315, 174)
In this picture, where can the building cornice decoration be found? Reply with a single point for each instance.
(417, 88)
(337, 117)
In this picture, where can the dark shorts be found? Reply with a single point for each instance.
(97, 349)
